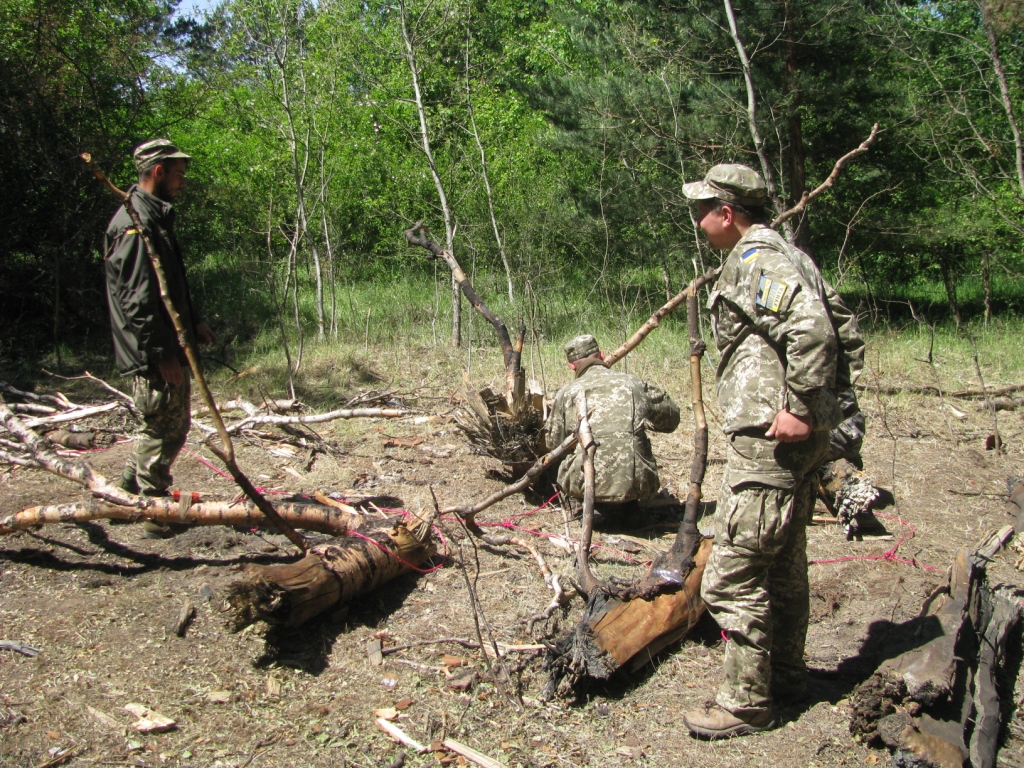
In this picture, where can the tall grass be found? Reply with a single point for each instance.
(398, 329)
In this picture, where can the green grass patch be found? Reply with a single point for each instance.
(397, 335)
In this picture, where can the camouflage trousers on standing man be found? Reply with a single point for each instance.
(166, 413)
(755, 581)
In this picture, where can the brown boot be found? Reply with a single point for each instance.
(718, 723)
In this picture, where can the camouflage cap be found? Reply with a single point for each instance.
(156, 151)
(730, 183)
(580, 347)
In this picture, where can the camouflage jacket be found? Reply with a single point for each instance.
(621, 406)
(779, 327)
(143, 332)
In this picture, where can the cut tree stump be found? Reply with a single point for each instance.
(944, 702)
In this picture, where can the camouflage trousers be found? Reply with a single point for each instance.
(755, 581)
(166, 413)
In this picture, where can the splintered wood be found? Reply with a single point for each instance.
(615, 632)
(938, 703)
(333, 572)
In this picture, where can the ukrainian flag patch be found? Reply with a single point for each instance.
(748, 255)
(770, 293)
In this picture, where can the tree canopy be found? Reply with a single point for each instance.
(548, 141)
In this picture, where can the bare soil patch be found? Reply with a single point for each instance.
(99, 601)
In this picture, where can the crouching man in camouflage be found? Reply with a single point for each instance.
(621, 407)
(778, 327)
(145, 341)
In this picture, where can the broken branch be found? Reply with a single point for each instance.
(588, 446)
(511, 352)
(808, 197)
(690, 290)
(467, 513)
(319, 418)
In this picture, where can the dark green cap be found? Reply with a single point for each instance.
(580, 347)
(730, 183)
(156, 151)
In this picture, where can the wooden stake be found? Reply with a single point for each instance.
(588, 447)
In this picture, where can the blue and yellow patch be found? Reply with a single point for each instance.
(748, 255)
(770, 293)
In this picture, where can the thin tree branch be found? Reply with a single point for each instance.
(808, 197)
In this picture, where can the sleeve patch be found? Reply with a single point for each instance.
(770, 293)
(747, 256)
(132, 231)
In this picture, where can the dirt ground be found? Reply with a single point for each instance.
(97, 600)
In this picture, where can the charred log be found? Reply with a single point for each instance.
(939, 704)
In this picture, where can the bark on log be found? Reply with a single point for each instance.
(333, 572)
(310, 517)
(614, 632)
(939, 704)
(79, 441)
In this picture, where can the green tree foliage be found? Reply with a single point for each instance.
(561, 133)
(79, 75)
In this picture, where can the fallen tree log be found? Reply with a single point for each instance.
(80, 441)
(940, 703)
(330, 573)
(310, 517)
(927, 389)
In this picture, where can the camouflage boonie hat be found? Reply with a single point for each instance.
(156, 151)
(730, 183)
(580, 347)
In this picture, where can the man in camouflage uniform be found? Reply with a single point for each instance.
(779, 328)
(620, 408)
(145, 341)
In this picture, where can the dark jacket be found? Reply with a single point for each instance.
(143, 332)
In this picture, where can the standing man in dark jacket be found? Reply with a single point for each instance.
(145, 341)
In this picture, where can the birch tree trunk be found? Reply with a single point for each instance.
(1004, 92)
(755, 133)
(446, 211)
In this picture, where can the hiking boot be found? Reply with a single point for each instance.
(718, 723)
(129, 482)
